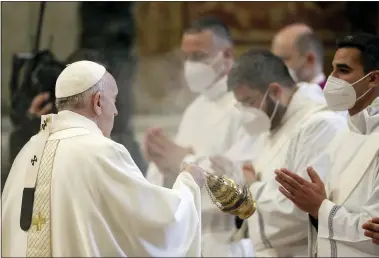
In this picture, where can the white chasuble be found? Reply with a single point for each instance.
(91, 200)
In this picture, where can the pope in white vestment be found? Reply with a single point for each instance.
(349, 196)
(73, 192)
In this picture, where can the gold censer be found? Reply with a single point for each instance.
(229, 196)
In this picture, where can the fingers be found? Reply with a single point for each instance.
(248, 166)
(314, 176)
(297, 178)
(159, 140)
(218, 169)
(288, 182)
(372, 230)
(216, 160)
(154, 149)
(371, 234)
(369, 225)
(286, 194)
(46, 109)
(37, 102)
(197, 173)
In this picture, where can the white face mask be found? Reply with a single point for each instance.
(254, 120)
(200, 76)
(340, 95)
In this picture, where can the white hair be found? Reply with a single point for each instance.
(78, 101)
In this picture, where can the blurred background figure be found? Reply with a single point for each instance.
(109, 38)
(210, 125)
(301, 50)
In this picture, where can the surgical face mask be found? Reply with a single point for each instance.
(340, 95)
(200, 76)
(254, 120)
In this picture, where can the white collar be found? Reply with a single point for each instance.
(67, 119)
(320, 78)
(217, 90)
(366, 121)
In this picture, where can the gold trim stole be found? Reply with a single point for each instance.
(39, 234)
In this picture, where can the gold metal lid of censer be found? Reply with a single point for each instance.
(229, 196)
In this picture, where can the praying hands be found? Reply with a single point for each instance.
(166, 154)
(307, 196)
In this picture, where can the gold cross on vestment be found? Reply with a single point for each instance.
(38, 221)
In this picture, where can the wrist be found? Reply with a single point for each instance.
(314, 213)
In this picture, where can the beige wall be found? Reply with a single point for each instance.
(19, 23)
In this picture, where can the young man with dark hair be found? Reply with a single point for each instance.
(349, 197)
(297, 127)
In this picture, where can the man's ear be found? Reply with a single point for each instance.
(311, 58)
(374, 79)
(229, 53)
(274, 90)
(97, 103)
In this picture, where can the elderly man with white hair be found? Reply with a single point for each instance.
(74, 192)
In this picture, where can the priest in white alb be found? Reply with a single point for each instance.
(73, 192)
(297, 126)
(210, 126)
(339, 207)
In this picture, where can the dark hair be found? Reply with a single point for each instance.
(257, 69)
(309, 42)
(212, 23)
(368, 44)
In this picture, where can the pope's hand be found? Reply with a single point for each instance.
(167, 155)
(196, 172)
(222, 166)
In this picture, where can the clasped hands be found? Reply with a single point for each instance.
(165, 153)
(307, 196)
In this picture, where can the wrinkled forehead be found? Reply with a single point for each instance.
(197, 42)
(348, 57)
